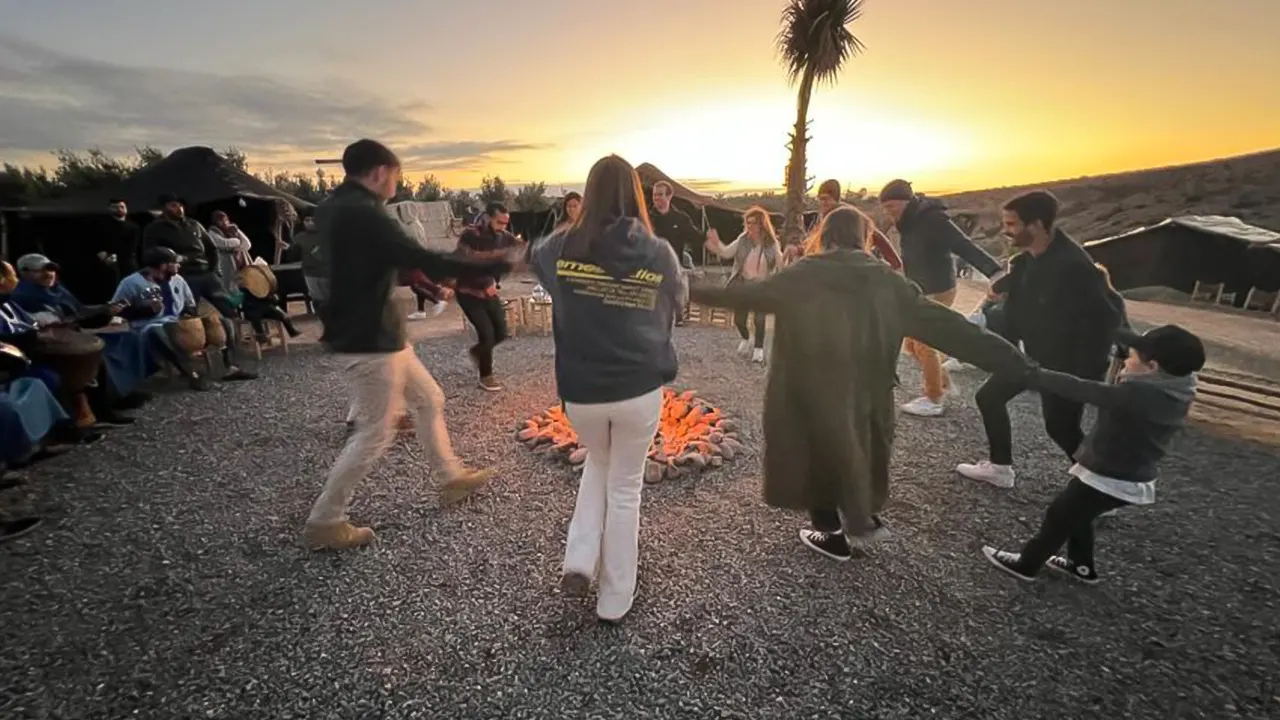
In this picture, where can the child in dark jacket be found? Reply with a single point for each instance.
(1116, 465)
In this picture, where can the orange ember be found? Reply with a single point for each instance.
(692, 434)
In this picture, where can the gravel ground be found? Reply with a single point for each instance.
(169, 582)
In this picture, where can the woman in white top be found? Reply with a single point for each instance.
(233, 249)
(756, 255)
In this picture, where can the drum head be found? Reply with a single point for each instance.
(257, 280)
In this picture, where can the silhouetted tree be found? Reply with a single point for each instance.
(429, 189)
(532, 197)
(493, 189)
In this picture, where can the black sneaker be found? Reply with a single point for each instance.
(114, 419)
(14, 529)
(1006, 561)
(1083, 573)
(874, 535)
(199, 384)
(832, 545)
(134, 400)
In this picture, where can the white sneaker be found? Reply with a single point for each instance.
(999, 475)
(757, 356)
(417, 316)
(438, 308)
(924, 407)
(744, 348)
(954, 365)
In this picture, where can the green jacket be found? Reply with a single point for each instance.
(367, 249)
(829, 410)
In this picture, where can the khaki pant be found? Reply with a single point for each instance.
(936, 379)
(381, 386)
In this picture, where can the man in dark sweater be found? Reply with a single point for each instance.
(367, 248)
(477, 294)
(1058, 304)
(123, 238)
(673, 225)
(1116, 466)
(930, 241)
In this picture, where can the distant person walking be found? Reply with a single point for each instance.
(368, 248)
(1058, 304)
(929, 240)
(672, 224)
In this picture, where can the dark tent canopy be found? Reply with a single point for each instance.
(1182, 251)
(66, 229)
(725, 219)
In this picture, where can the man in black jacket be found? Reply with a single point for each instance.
(367, 248)
(929, 241)
(1058, 304)
(673, 225)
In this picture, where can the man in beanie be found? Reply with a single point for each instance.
(929, 240)
(1117, 464)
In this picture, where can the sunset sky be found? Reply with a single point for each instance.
(951, 95)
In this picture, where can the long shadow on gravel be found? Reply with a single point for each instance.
(169, 582)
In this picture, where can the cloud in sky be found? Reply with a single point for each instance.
(51, 100)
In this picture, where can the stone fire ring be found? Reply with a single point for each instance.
(692, 435)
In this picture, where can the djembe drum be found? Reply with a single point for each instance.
(257, 280)
(75, 357)
(187, 334)
(215, 333)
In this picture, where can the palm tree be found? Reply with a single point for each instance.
(814, 43)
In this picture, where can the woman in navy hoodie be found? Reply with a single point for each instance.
(616, 291)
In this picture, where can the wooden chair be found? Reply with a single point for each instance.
(716, 317)
(1207, 292)
(275, 328)
(1261, 300)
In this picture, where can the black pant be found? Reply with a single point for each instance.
(161, 347)
(489, 318)
(826, 520)
(1061, 417)
(257, 310)
(1069, 520)
(740, 320)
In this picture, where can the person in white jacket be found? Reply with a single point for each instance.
(233, 247)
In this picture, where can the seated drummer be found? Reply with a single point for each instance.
(41, 294)
(257, 310)
(19, 333)
(155, 298)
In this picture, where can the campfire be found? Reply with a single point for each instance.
(692, 435)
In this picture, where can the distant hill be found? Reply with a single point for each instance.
(1247, 187)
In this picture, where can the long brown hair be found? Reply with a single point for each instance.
(612, 193)
(766, 224)
(846, 227)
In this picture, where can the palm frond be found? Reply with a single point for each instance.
(814, 37)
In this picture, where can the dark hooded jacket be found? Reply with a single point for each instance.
(929, 239)
(613, 307)
(1061, 308)
(829, 411)
(1138, 417)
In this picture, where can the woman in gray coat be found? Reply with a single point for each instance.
(756, 255)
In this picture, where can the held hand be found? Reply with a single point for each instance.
(446, 294)
(713, 239)
(157, 305)
(115, 308)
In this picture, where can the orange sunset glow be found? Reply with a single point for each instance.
(951, 95)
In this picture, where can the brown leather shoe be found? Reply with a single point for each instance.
(338, 536)
(460, 486)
